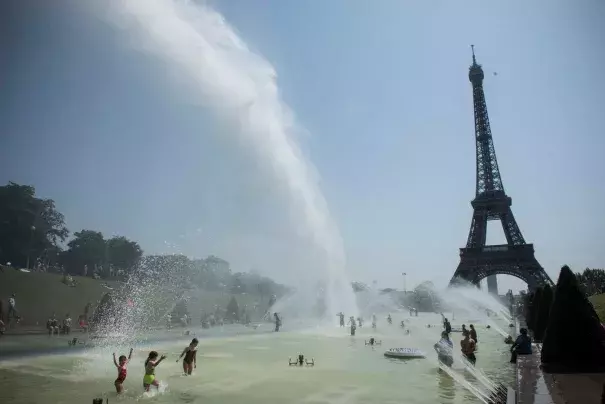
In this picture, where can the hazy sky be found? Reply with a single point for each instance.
(381, 88)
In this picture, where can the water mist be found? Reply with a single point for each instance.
(240, 87)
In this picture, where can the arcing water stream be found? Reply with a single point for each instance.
(240, 87)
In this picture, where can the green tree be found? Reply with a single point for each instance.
(534, 309)
(543, 313)
(526, 300)
(574, 340)
(592, 281)
(87, 248)
(238, 286)
(232, 311)
(359, 287)
(123, 253)
(29, 226)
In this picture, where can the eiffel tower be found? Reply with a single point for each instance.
(477, 260)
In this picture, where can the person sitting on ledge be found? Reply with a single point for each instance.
(522, 346)
(52, 325)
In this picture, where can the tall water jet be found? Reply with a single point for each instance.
(240, 86)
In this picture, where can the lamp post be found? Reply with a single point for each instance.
(404, 286)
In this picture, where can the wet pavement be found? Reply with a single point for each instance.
(537, 387)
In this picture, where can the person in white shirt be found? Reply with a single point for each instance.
(67, 324)
(12, 311)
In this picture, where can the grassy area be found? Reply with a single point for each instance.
(598, 302)
(39, 295)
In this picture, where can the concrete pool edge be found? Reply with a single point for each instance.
(535, 385)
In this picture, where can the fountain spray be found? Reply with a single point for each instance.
(240, 87)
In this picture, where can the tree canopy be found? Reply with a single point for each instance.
(33, 231)
(232, 311)
(359, 287)
(89, 253)
(30, 228)
(534, 308)
(543, 313)
(592, 281)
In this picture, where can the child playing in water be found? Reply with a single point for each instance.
(121, 365)
(150, 364)
(190, 360)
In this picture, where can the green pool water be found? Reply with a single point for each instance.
(253, 368)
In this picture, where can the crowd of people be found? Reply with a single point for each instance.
(54, 326)
(468, 345)
(353, 322)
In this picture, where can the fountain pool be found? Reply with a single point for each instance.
(253, 368)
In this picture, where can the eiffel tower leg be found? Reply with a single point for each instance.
(478, 231)
(511, 228)
(492, 285)
(464, 273)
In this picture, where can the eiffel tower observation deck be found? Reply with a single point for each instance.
(478, 260)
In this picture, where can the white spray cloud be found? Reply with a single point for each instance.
(240, 86)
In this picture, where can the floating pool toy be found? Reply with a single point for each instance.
(405, 353)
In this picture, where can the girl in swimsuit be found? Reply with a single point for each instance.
(121, 365)
(190, 360)
(150, 364)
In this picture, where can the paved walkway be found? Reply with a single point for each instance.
(536, 387)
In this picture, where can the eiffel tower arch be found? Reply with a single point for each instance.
(478, 260)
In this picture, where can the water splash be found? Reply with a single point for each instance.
(479, 299)
(462, 381)
(468, 303)
(240, 87)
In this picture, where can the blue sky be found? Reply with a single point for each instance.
(382, 90)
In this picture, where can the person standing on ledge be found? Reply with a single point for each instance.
(522, 346)
(12, 310)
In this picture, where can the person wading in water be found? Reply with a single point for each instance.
(473, 333)
(468, 348)
(190, 360)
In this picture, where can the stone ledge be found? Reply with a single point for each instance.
(511, 396)
(537, 387)
(533, 386)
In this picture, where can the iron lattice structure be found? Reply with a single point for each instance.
(478, 260)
